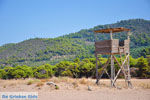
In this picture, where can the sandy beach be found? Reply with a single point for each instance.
(79, 89)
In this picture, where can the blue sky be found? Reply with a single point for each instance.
(24, 19)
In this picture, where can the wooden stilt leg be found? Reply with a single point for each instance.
(116, 76)
(112, 70)
(129, 76)
(103, 70)
(97, 70)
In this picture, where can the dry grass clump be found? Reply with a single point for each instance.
(30, 82)
(83, 81)
(62, 79)
(13, 84)
(55, 80)
(141, 83)
(44, 80)
(33, 81)
(39, 84)
(75, 84)
(103, 84)
(4, 86)
(66, 79)
(136, 83)
(145, 85)
(36, 80)
(121, 84)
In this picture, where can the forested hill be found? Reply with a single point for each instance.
(140, 29)
(80, 44)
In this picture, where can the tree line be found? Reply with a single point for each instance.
(140, 68)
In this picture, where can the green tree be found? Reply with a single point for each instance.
(63, 69)
(144, 69)
(18, 73)
(86, 68)
(2, 73)
(74, 68)
(43, 71)
(8, 72)
(77, 60)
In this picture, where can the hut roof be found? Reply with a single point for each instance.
(113, 30)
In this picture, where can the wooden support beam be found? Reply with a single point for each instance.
(121, 66)
(129, 76)
(112, 70)
(107, 73)
(121, 69)
(111, 37)
(103, 69)
(96, 70)
(116, 76)
(113, 85)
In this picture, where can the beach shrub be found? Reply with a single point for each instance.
(43, 71)
(63, 69)
(74, 68)
(22, 72)
(86, 68)
(8, 72)
(2, 73)
(144, 68)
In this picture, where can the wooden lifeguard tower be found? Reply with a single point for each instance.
(113, 47)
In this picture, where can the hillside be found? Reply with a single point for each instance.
(40, 51)
(140, 29)
(80, 44)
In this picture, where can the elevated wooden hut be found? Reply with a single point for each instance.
(113, 47)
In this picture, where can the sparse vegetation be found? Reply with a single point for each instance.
(39, 84)
(83, 81)
(4, 86)
(57, 87)
(30, 82)
(33, 81)
(145, 85)
(44, 80)
(75, 84)
(72, 86)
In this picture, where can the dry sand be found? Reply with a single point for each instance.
(77, 89)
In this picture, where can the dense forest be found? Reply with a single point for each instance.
(39, 51)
